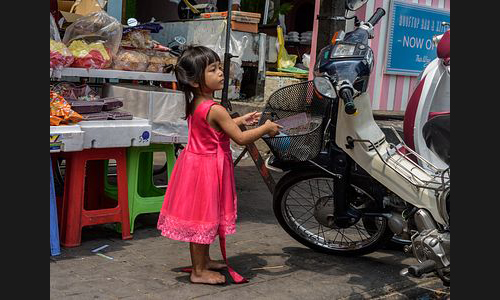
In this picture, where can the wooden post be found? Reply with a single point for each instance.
(324, 30)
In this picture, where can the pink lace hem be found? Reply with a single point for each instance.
(200, 233)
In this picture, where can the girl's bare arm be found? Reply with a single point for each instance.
(220, 119)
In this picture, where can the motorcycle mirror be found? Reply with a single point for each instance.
(354, 4)
(324, 87)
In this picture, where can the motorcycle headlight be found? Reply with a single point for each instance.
(344, 50)
(324, 87)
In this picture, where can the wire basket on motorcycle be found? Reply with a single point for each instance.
(303, 116)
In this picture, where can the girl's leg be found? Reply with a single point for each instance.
(200, 272)
(213, 264)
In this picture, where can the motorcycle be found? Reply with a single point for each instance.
(346, 190)
(426, 125)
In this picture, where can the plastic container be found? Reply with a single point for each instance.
(116, 133)
(164, 108)
(66, 138)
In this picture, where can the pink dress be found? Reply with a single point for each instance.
(200, 201)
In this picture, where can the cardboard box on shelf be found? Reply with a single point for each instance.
(73, 10)
(246, 27)
(234, 13)
(240, 20)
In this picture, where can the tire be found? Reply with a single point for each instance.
(177, 149)
(321, 188)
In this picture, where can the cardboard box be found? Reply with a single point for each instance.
(72, 12)
(246, 27)
(233, 14)
(240, 20)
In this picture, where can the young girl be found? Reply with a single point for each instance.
(200, 201)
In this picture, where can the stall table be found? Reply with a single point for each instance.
(91, 140)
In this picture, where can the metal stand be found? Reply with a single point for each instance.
(257, 159)
(227, 58)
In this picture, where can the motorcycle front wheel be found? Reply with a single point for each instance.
(303, 202)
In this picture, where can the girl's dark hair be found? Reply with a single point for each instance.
(190, 68)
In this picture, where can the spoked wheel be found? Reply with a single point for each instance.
(303, 205)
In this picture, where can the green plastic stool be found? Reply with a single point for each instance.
(143, 195)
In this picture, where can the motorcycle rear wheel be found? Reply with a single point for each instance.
(297, 197)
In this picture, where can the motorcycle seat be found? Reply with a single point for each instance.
(437, 133)
(443, 48)
(433, 114)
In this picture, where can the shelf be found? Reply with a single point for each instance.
(117, 74)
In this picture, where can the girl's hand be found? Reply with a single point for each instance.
(273, 128)
(251, 118)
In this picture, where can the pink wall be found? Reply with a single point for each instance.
(390, 92)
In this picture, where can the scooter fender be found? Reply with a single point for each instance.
(435, 97)
(362, 126)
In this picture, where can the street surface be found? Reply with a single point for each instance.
(278, 267)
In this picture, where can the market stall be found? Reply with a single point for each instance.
(114, 104)
(108, 107)
(247, 46)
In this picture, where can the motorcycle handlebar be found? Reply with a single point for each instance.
(379, 13)
(349, 106)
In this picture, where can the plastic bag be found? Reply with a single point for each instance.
(93, 40)
(236, 48)
(69, 90)
(60, 56)
(284, 59)
(306, 59)
(54, 32)
(164, 108)
(130, 60)
(61, 112)
(160, 62)
(140, 39)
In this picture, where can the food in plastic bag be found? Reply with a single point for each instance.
(61, 112)
(160, 62)
(60, 56)
(90, 56)
(69, 90)
(130, 60)
(284, 59)
(94, 39)
(55, 121)
(140, 39)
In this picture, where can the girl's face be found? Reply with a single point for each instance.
(214, 76)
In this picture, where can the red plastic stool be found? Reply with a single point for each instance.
(84, 202)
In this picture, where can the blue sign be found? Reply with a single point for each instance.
(411, 29)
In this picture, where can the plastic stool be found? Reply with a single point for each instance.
(144, 196)
(84, 202)
(55, 248)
